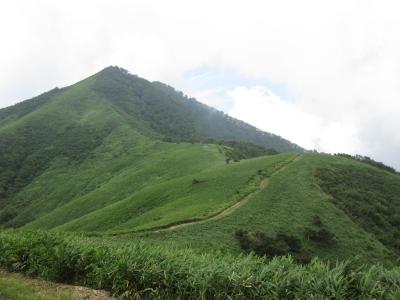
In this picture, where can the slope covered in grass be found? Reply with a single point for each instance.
(116, 154)
(130, 176)
(75, 150)
(159, 190)
(290, 205)
(195, 196)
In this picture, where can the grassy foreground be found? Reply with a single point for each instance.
(141, 270)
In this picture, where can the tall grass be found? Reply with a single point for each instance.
(139, 270)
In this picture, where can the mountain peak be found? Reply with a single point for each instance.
(113, 70)
(170, 114)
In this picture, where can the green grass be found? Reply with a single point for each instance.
(179, 199)
(152, 190)
(94, 158)
(98, 142)
(100, 183)
(153, 187)
(288, 205)
(90, 158)
(129, 181)
(141, 270)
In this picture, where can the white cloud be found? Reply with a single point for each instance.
(339, 60)
(267, 111)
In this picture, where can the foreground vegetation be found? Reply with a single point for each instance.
(140, 270)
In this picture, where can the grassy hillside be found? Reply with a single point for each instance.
(59, 129)
(75, 150)
(131, 177)
(291, 204)
(119, 156)
(156, 190)
(194, 196)
(121, 172)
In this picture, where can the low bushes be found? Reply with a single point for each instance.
(140, 270)
(369, 161)
(262, 244)
(370, 197)
(322, 235)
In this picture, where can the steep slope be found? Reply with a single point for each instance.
(60, 126)
(169, 114)
(80, 144)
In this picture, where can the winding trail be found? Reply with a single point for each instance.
(229, 210)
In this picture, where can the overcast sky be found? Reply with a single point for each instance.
(323, 74)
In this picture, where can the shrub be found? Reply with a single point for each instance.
(322, 235)
(370, 197)
(262, 244)
(369, 161)
(317, 221)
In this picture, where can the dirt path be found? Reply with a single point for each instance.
(17, 286)
(229, 210)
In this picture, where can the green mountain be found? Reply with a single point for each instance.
(110, 115)
(119, 156)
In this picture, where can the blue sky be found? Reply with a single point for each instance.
(221, 80)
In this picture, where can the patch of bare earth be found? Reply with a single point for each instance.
(74, 292)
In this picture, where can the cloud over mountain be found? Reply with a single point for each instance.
(338, 61)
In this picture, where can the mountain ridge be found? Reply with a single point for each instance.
(192, 109)
(120, 76)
